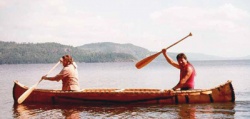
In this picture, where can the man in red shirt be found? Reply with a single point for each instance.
(187, 71)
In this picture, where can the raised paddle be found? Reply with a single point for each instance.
(148, 59)
(29, 91)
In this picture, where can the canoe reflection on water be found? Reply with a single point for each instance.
(210, 110)
(23, 111)
(213, 110)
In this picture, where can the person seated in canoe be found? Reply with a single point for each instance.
(187, 71)
(68, 75)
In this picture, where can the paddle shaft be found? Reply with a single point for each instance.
(29, 91)
(190, 34)
(147, 60)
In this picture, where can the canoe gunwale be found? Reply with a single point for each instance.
(127, 90)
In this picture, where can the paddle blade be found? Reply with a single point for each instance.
(147, 60)
(26, 94)
(29, 91)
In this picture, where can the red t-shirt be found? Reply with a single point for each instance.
(190, 82)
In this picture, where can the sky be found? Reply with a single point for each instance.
(219, 27)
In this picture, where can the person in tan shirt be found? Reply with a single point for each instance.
(68, 75)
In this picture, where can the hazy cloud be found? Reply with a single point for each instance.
(219, 30)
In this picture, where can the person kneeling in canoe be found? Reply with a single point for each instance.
(187, 71)
(68, 75)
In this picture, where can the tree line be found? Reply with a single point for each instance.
(30, 53)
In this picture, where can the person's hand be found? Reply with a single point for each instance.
(171, 92)
(61, 60)
(163, 50)
(44, 77)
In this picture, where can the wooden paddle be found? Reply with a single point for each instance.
(29, 91)
(148, 59)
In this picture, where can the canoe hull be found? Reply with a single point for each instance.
(222, 93)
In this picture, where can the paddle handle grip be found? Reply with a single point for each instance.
(190, 34)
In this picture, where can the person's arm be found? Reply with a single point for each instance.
(55, 78)
(170, 60)
(58, 77)
(184, 79)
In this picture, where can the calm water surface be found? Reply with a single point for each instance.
(158, 75)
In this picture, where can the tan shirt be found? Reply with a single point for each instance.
(69, 77)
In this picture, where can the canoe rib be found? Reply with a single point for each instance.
(222, 93)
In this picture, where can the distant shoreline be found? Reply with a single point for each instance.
(29, 53)
(192, 61)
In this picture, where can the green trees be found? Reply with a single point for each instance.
(26, 53)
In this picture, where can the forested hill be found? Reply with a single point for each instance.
(24, 53)
(27, 53)
(109, 47)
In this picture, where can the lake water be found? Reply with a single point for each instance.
(158, 75)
